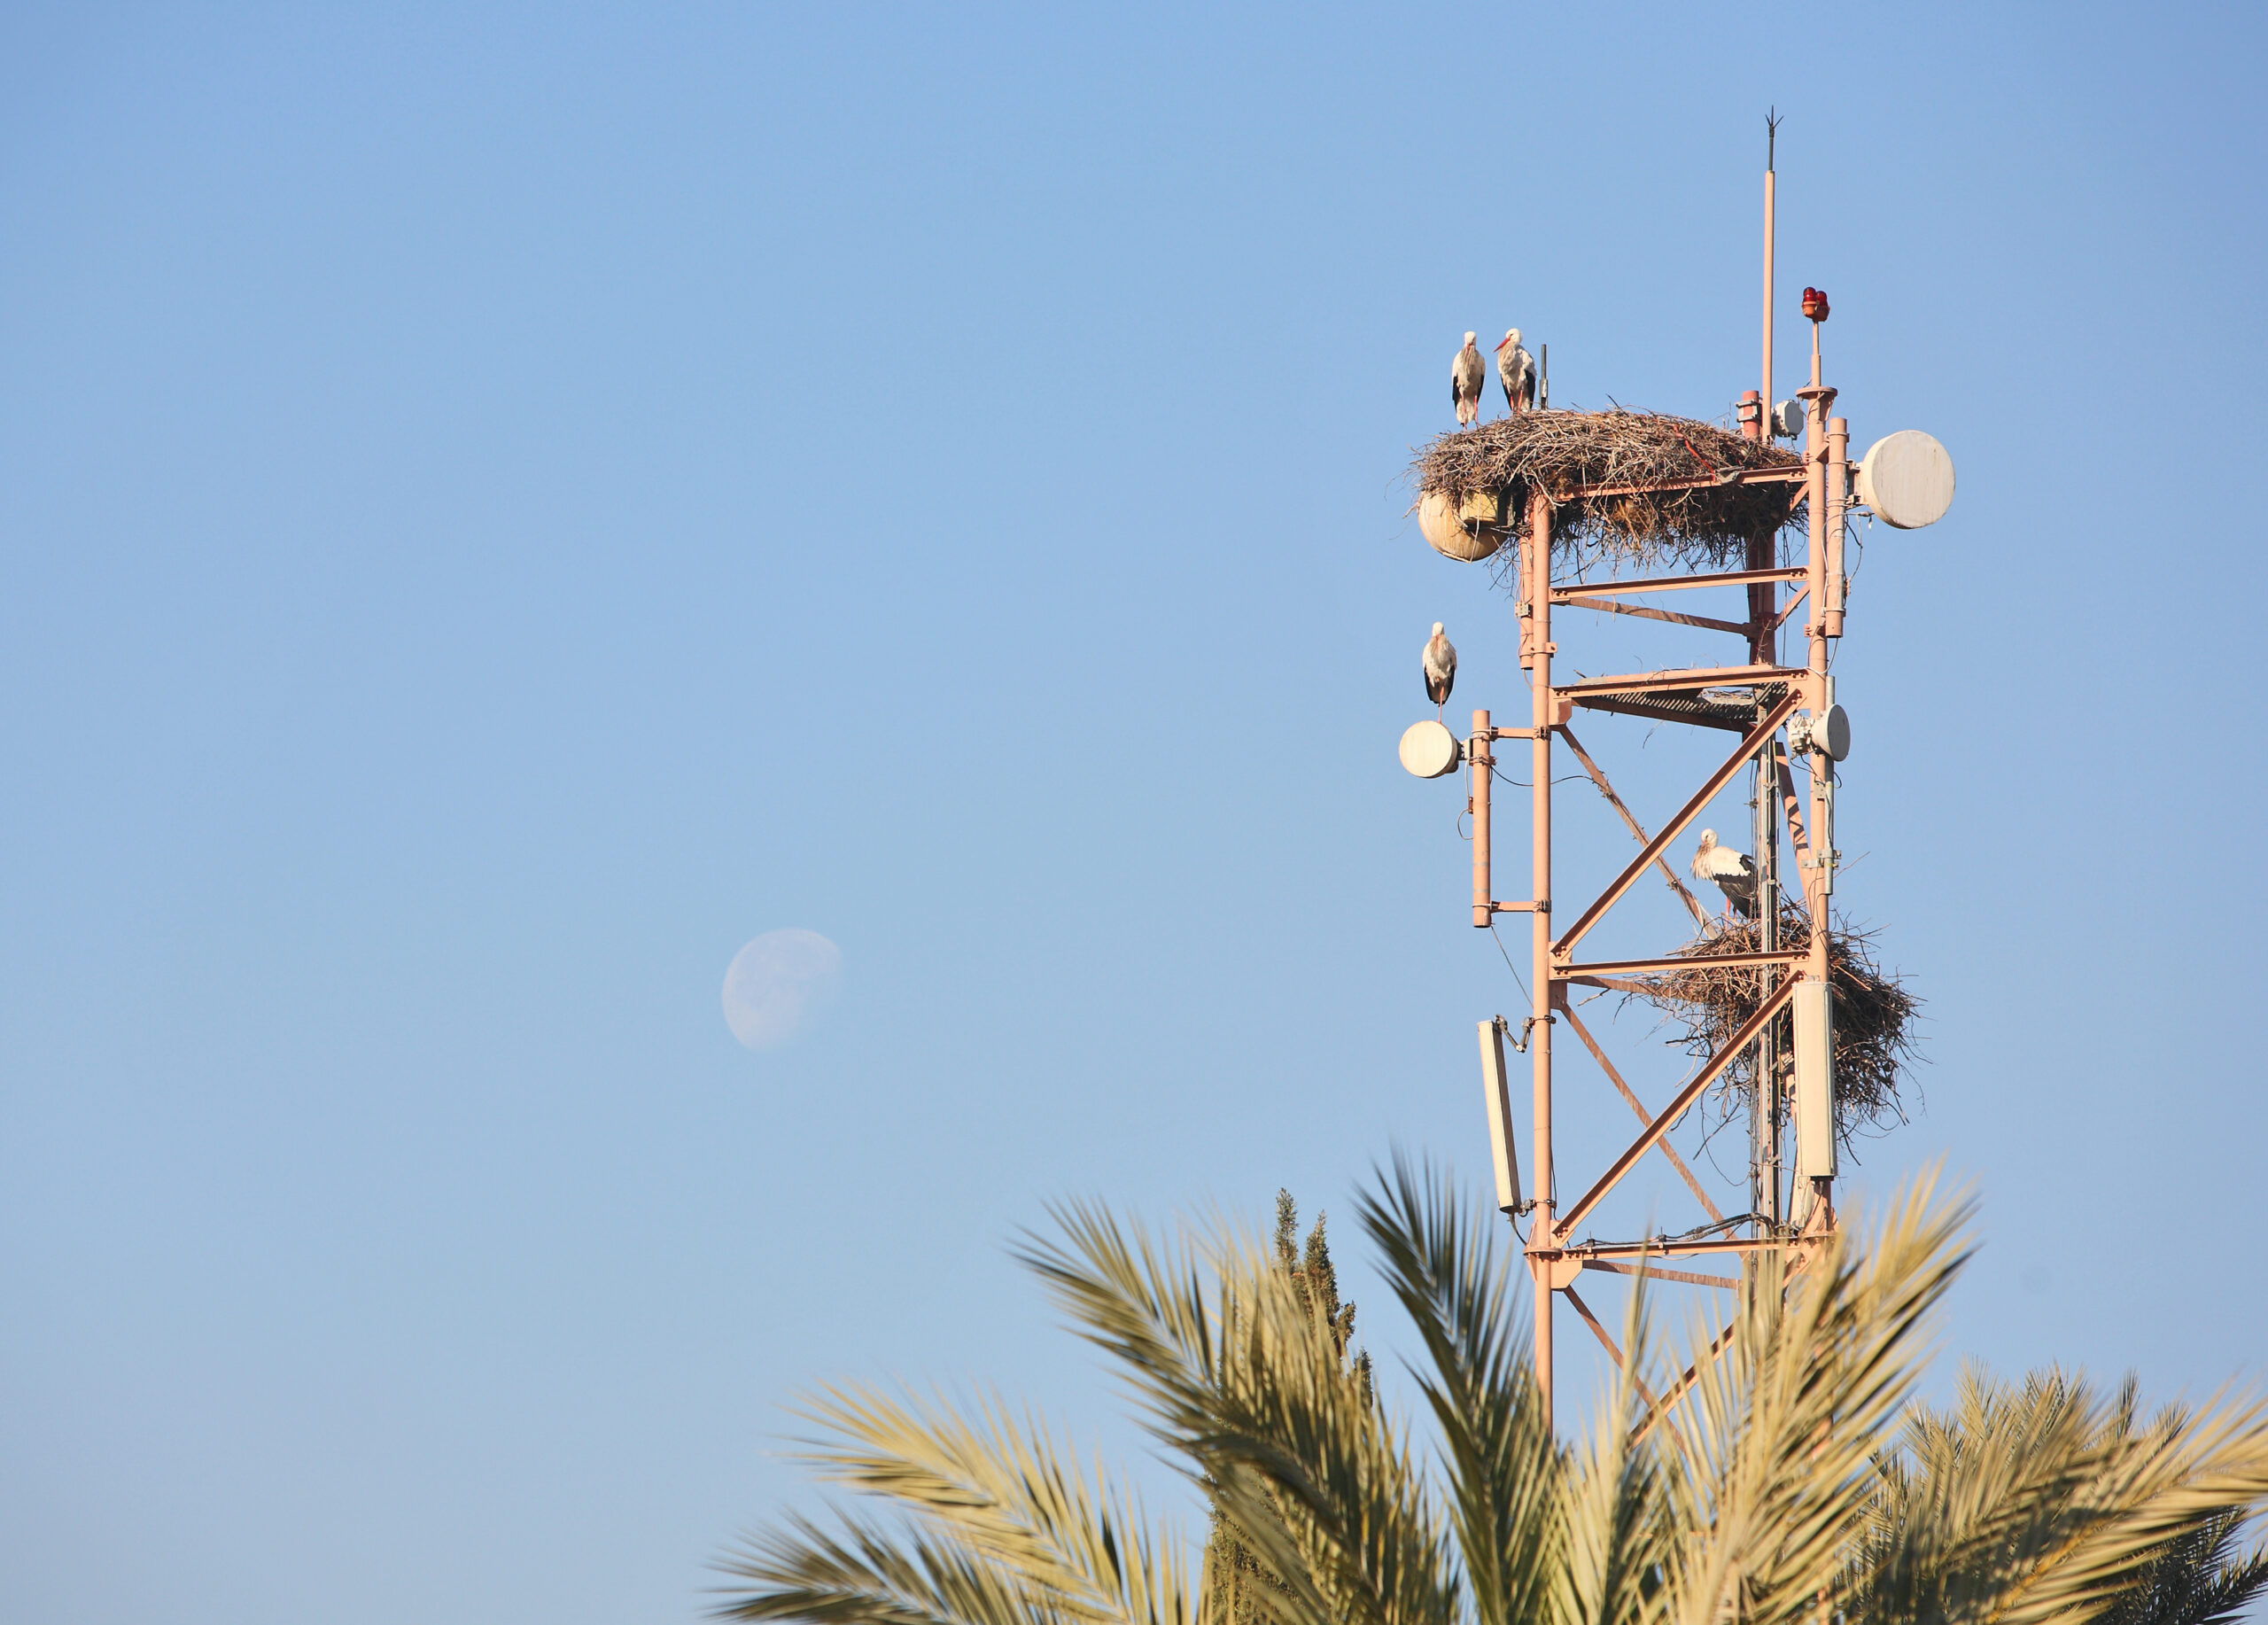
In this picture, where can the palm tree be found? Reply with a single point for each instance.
(2019, 1496)
(1779, 1487)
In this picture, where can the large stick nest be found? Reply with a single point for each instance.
(1875, 1045)
(1560, 451)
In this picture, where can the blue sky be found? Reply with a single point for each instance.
(500, 507)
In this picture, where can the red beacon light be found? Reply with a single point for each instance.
(1816, 304)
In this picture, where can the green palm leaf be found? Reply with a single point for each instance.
(1502, 1465)
(1793, 1480)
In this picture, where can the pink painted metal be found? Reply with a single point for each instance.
(1793, 810)
(1613, 1352)
(1771, 475)
(1677, 1390)
(1838, 485)
(1818, 878)
(1671, 584)
(1614, 607)
(1544, 716)
(1630, 1098)
(1771, 201)
(1618, 967)
(1482, 762)
(1583, 1252)
(1740, 1040)
(1705, 677)
(1818, 481)
(1695, 1277)
(1637, 831)
(1749, 744)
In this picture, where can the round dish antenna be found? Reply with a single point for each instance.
(1430, 750)
(1907, 478)
(1469, 535)
(1830, 732)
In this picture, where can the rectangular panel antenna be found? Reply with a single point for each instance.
(1499, 1113)
(1814, 1005)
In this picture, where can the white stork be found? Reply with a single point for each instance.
(1467, 374)
(1439, 661)
(1734, 872)
(1516, 371)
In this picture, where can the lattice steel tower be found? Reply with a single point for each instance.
(1790, 732)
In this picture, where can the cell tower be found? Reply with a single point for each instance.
(1705, 496)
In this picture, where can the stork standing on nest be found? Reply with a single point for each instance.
(1439, 661)
(1733, 873)
(1467, 374)
(1516, 371)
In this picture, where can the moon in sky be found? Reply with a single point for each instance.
(778, 983)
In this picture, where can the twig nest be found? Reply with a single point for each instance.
(1875, 1044)
(1467, 530)
(1708, 523)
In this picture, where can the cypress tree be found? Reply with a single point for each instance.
(1235, 1580)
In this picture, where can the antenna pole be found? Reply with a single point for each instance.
(1543, 1238)
(1483, 760)
(1818, 1202)
(1764, 649)
(1771, 134)
(1764, 1131)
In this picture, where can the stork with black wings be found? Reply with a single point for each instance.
(1516, 371)
(1467, 372)
(1733, 873)
(1438, 661)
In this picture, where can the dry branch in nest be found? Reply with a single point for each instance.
(1558, 452)
(1875, 1043)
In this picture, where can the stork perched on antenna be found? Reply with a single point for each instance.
(1467, 374)
(1516, 371)
(1439, 661)
(1733, 873)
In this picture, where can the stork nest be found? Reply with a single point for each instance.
(1558, 452)
(1875, 1045)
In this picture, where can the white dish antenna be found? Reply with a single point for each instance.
(1430, 750)
(1830, 733)
(1788, 420)
(1907, 478)
(1470, 534)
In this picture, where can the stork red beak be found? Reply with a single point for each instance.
(1503, 343)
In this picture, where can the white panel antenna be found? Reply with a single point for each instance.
(1500, 1115)
(1814, 1005)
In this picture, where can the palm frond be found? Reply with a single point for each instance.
(1503, 1466)
(1253, 1393)
(1777, 1437)
(1973, 1499)
(1005, 1491)
(2023, 1505)
(867, 1575)
(2200, 1578)
(1615, 1518)
(1793, 1480)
